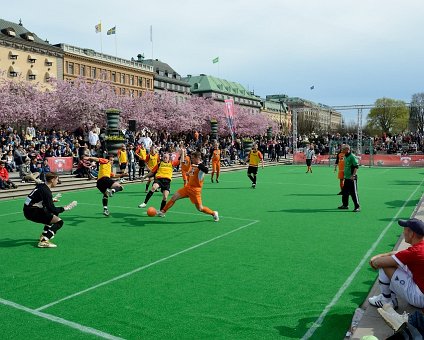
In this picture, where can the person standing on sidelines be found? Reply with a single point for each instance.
(193, 190)
(310, 154)
(123, 159)
(401, 273)
(350, 187)
(340, 164)
(162, 174)
(216, 161)
(39, 208)
(131, 162)
(141, 154)
(152, 159)
(254, 157)
(106, 185)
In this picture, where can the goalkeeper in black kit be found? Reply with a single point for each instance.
(39, 208)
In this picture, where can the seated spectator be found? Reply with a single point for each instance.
(84, 168)
(26, 174)
(5, 182)
(10, 161)
(45, 169)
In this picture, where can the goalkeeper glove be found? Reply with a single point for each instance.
(70, 206)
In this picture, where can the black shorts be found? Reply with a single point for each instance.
(252, 170)
(141, 163)
(308, 162)
(104, 183)
(164, 184)
(37, 215)
(123, 166)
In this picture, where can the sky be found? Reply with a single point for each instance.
(351, 51)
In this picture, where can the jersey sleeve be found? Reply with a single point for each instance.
(203, 168)
(103, 161)
(48, 202)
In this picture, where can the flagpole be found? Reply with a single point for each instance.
(101, 42)
(116, 47)
(151, 38)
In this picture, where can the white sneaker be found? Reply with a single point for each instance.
(110, 192)
(160, 214)
(215, 216)
(394, 320)
(380, 301)
(46, 244)
(106, 212)
(142, 205)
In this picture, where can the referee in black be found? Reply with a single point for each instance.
(39, 208)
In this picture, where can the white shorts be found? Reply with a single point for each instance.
(404, 286)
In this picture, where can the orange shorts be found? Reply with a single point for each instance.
(193, 193)
(216, 166)
(340, 175)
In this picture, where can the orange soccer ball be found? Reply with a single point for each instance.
(151, 211)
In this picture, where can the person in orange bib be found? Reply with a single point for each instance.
(152, 159)
(216, 161)
(254, 158)
(340, 164)
(185, 163)
(193, 190)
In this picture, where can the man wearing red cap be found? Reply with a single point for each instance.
(401, 273)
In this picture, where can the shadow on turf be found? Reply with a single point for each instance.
(9, 243)
(311, 211)
(308, 195)
(400, 203)
(305, 324)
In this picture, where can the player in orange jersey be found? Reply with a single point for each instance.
(185, 162)
(193, 190)
(254, 158)
(340, 164)
(162, 174)
(216, 161)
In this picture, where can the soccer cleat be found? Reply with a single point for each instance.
(46, 244)
(160, 214)
(106, 212)
(142, 205)
(217, 180)
(212, 180)
(215, 216)
(340, 193)
(358, 209)
(343, 207)
(380, 300)
(253, 185)
(110, 192)
(393, 319)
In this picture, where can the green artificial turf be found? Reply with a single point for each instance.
(281, 258)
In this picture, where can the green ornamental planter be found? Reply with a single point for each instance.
(269, 133)
(112, 118)
(214, 129)
(247, 145)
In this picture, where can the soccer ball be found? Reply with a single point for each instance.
(151, 211)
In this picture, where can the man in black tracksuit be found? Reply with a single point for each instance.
(350, 187)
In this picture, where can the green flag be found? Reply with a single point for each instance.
(215, 60)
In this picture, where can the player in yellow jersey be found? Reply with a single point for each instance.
(162, 174)
(216, 161)
(152, 159)
(193, 190)
(254, 158)
(105, 183)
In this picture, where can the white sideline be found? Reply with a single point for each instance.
(145, 266)
(349, 280)
(61, 321)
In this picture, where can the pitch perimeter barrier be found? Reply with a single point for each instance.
(60, 164)
(369, 160)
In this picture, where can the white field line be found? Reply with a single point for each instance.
(146, 266)
(143, 210)
(61, 321)
(349, 280)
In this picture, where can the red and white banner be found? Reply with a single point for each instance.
(60, 164)
(229, 114)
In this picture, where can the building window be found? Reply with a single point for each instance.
(31, 59)
(122, 78)
(82, 70)
(131, 80)
(70, 68)
(93, 72)
(148, 83)
(48, 62)
(140, 82)
(114, 77)
(32, 77)
(13, 55)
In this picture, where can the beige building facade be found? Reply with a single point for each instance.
(23, 55)
(128, 77)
